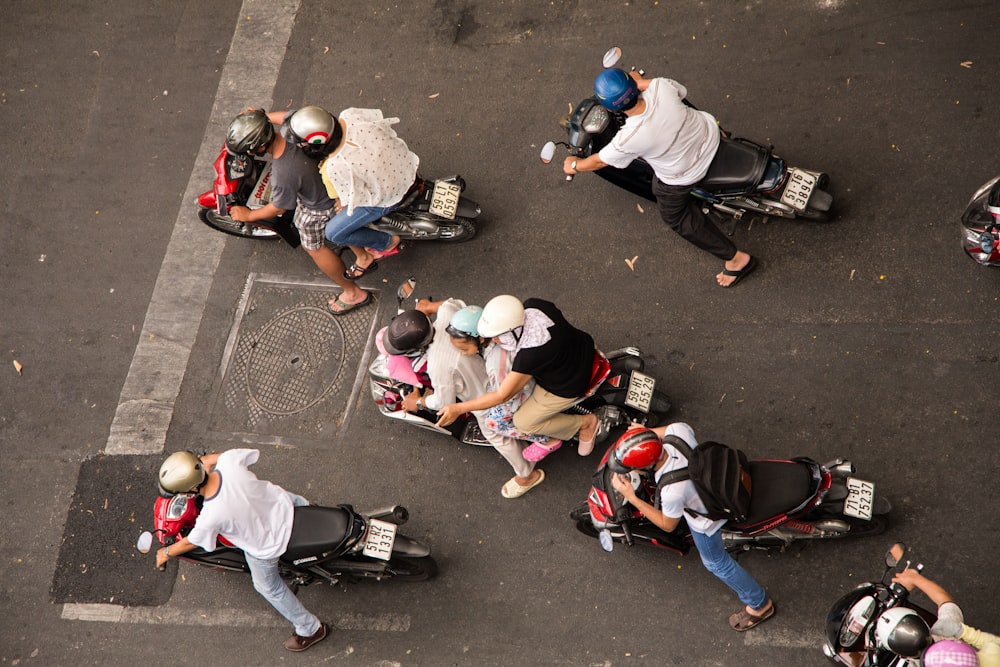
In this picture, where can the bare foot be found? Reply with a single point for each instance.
(739, 262)
(530, 479)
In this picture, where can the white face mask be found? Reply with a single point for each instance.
(507, 341)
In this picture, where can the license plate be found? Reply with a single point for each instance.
(380, 538)
(798, 189)
(444, 200)
(860, 498)
(640, 391)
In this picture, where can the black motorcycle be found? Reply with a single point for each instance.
(744, 176)
(331, 544)
(852, 620)
(430, 211)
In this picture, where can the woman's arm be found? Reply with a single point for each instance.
(511, 385)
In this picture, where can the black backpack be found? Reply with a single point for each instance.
(719, 473)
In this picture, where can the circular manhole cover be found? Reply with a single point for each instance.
(295, 360)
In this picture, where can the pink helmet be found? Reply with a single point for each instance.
(950, 653)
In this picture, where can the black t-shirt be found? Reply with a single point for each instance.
(561, 366)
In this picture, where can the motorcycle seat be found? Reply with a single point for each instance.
(316, 530)
(778, 487)
(738, 165)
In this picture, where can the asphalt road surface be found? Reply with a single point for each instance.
(871, 337)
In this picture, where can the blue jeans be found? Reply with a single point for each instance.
(344, 229)
(718, 561)
(268, 583)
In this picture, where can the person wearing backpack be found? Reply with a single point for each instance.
(661, 450)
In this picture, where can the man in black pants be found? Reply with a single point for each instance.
(679, 143)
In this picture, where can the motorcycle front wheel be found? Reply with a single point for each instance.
(226, 225)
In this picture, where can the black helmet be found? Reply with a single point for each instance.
(901, 631)
(249, 133)
(409, 332)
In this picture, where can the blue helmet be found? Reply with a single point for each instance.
(465, 323)
(615, 89)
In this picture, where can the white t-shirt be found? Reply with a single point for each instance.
(454, 376)
(253, 514)
(677, 141)
(675, 497)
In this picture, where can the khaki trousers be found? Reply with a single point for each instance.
(542, 413)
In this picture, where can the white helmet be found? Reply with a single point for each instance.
(312, 128)
(501, 314)
(902, 631)
(181, 472)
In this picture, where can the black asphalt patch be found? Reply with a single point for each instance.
(98, 562)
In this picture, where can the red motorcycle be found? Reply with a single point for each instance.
(431, 210)
(331, 544)
(794, 499)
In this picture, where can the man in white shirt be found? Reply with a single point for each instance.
(255, 515)
(679, 143)
(678, 497)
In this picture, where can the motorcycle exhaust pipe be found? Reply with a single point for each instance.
(396, 514)
(840, 468)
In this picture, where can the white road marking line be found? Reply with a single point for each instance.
(233, 618)
(146, 403)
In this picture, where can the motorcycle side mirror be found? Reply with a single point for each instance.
(145, 542)
(612, 56)
(607, 542)
(895, 554)
(548, 152)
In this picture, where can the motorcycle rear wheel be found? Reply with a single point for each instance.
(411, 569)
(226, 225)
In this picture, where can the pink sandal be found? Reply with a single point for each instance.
(537, 451)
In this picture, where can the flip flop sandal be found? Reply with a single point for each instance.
(348, 307)
(537, 451)
(741, 274)
(511, 489)
(379, 254)
(356, 272)
(743, 620)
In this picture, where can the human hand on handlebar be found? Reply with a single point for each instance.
(161, 558)
(569, 167)
(239, 213)
(623, 485)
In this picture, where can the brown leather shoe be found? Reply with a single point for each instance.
(297, 643)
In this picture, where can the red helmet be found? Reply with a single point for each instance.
(638, 448)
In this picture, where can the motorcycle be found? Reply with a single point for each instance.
(851, 621)
(981, 224)
(793, 500)
(431, 211)
(619, 393)
(744, 177)
(329, 544)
